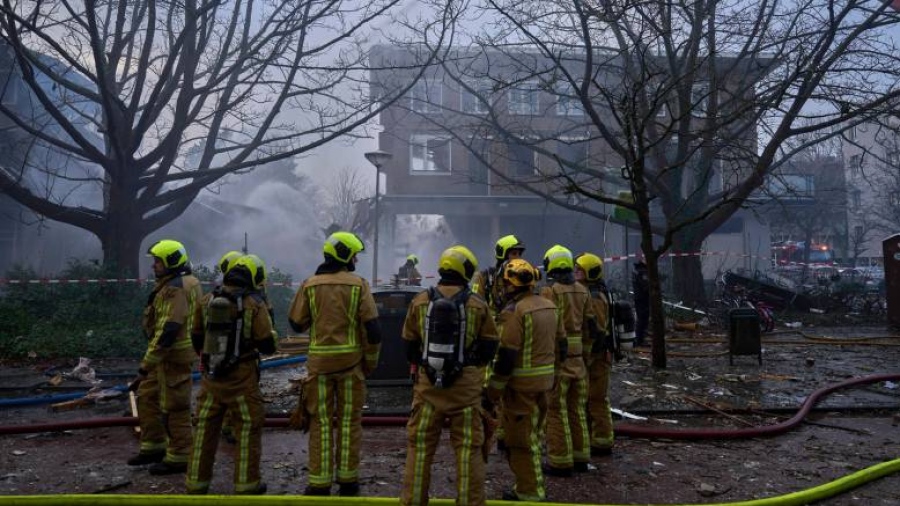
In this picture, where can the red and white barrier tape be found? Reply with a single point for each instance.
(614, 258)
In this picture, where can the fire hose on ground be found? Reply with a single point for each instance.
(802, 497)
(807, 496)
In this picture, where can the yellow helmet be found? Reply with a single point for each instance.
(341, 246)
(259, 279)
(171, 253)
(242, 272)
(460, 260)
(227, 260)
(591, 264)
(505, 244)
(519, 273)
(412, 258)
(558, 257)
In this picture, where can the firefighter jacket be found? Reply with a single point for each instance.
(640, 284)
(258, 332)
(334, 307)
(600, 305)
(486, 284)
(168, 319)
(599, 368)
(235, 395)
(528, 326)
(409, 275)
(574, 308)
(466, 390)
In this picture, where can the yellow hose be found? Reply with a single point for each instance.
(793, 499)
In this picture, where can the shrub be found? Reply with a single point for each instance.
(93, 319)
(68, 320)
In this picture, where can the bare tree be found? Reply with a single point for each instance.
(149, 101)
(865, 227)
(348, 197)
(874, 183)
(687, 105)
(806, 200)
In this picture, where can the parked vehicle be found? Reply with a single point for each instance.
(795, 252)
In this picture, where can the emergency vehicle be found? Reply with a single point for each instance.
(794, 253)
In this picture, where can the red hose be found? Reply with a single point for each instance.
(620, 430)
(751, 432)
(130, 421)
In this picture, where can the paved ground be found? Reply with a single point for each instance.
(852, 429)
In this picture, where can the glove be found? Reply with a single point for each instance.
(491, 395)
(136, 382)
(563, 350)
(486, 403)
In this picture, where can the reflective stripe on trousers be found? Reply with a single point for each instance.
(331, 447)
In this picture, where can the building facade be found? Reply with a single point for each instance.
(871, 157)
(456, 140)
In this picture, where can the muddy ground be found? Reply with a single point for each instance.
(848, 431)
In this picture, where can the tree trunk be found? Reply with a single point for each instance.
(688, 273)
(688, 270)
(657, 315)
(121, 250)
(123, 229)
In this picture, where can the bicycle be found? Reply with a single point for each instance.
(734, 296)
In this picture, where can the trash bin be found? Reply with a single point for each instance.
(743, 334)
(392, 303)
(891, 250)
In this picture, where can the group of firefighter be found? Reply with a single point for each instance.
(532, 364)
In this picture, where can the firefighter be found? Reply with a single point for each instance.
(260, 284)
(259, 290)
(230, 381)
(446, 387)
(486, 282)
(589, 272)
(532, 339)
(568, 440)
(408, 274)
(223, 266)
(338, 309)
(163, 382)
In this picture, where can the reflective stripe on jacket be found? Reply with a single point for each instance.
(334, 307)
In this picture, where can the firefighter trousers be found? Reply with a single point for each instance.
(327, 395)
(598, 402)
(424, 434)
(567, 428)
(523, 415)
(239, 396)
(164, 411)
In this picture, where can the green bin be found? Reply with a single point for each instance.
(743, 334)
(392, 303)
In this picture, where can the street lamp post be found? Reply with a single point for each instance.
(378, 159)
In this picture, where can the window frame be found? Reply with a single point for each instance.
(420, 99)
(532, 88)
(480, 85)
(472, 160)
(414, 145)
(700, 97)
(855, 199)
(568, 106)
(570, 142)
(511, 170)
